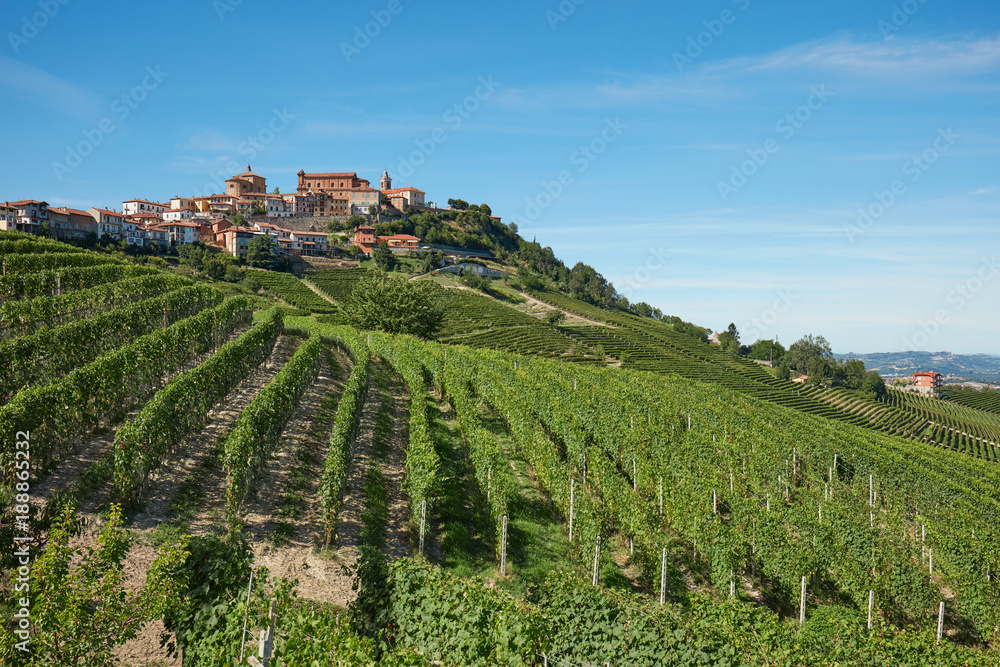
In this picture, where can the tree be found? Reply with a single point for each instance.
(817, 369)
(258, 208)
(354, 250)
(530, 280)
(873, 386)
(554, 317)
(260, 252)
(373, 209)
(395, 305)
(384, 259)
(483, 208)
(458, 204)
(237, 219)
(355, 221)
(276, 191)
(767, 350)
(802, 351)
(80, 606)
(729, 340)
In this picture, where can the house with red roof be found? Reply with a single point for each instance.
(400, 244)
(926, 382)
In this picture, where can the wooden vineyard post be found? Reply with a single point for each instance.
(802, 603)
(574, 384)
(730, 481)
(489, 485)
(940, 620)
(821, 512)
(263, 658)
(423, 522)
(689, 421)
(635, 480)
(930, 555)
(871, 605)
(597, 558)
(715, 503)
(732, 584)
(663, 577)
(503, 546)
(769, 503)
(572, 490)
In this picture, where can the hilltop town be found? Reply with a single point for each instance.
(296, 223)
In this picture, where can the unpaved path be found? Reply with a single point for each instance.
(285, 517)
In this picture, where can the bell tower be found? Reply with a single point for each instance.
(385, 183)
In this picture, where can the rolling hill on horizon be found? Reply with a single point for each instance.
(983, 367)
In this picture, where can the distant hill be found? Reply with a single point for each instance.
(985, 367)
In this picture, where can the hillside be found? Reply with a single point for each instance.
(548, 481)
(978, 367)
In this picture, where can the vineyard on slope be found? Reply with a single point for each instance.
(594, 486)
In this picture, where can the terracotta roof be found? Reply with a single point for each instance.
(142, 201)
(929, 374)
(107, 212)
(25, 202)
(406, 189)
(333, 174)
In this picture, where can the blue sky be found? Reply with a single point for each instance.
(827, 168)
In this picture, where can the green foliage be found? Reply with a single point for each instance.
(206, 617)
(729, 340)
(52, 352)
(384, 259)
(802, 352)
(344, 425)
(255, 431)
(554, 317)
(767, 350)
(48, 282)
(260, 251)
(80, 606)
(112, 384)
(182, 406)
(383, 303)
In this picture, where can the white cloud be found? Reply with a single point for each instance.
(39, 87)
